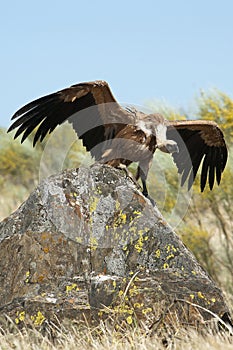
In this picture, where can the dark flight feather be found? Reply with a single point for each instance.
(98, 119)
(201, 142)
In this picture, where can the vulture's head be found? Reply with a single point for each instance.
(168, 146)
(155, 124)
(163, 144)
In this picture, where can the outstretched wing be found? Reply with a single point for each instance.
(90, 107)
(197, 141)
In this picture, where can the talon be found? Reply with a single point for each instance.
(152, 201)
(145, 193)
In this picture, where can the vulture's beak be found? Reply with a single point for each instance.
(169, 146)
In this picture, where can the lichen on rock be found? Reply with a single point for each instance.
(87, 244)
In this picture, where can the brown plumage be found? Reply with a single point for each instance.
(117, 136)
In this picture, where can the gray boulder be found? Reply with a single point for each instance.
(87, 244)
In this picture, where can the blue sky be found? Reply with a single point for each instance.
(163, 50)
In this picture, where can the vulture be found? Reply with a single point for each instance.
(118, 136)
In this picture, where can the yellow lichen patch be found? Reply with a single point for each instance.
(38, 319)
(71, 287)
(98, 190)
(123, 309)
(138, 305)
(122, 217)
(129, 320)
(20, 317)
(118, 205)
(100, 313)
(93, 204)
(165, 266)
(192, 296)
(133, 291)
(157, 253)
(203, 297)
(139, 244)
(147, 310)
(114, 284)
(119, 220)
(194, 273)
(200, 295)
(93, 243)
(27, 277)
(79, 239)
(170, 248)
(126, 252)
(120, 293)
(170, 256)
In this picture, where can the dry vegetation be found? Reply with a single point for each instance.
(71, 337)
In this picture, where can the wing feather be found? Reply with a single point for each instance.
(89, 107)
(31, 105)
(199, 141)
(204, 172)
(212, 165)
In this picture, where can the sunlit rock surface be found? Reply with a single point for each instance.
(87, 244)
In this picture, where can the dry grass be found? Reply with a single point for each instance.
(104, 337)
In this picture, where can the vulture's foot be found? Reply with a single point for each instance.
(150, 198)
(152, 201)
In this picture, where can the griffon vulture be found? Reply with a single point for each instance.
(118, 136)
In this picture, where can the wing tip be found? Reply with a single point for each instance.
(10, 128)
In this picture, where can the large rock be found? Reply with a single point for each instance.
(87, 244)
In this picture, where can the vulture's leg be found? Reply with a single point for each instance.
(142, 176)
(142, 173)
